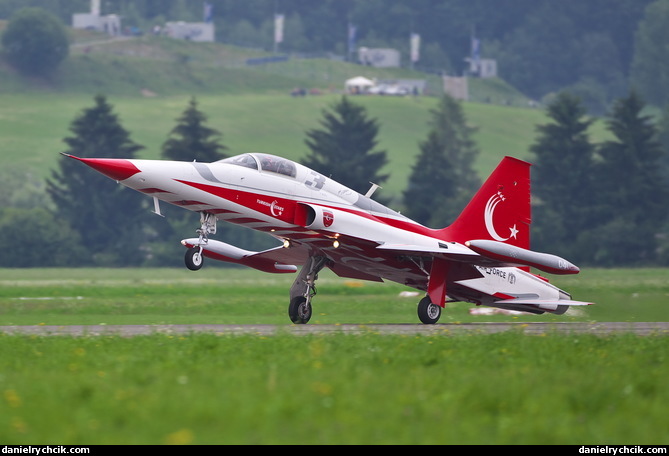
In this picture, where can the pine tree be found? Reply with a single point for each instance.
(106, 215)
(192, 140)
(631, 187)
(343, 148)
(443, 178)
(564, 205)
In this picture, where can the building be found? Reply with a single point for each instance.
(109, 23)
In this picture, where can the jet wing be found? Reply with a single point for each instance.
(443, 251)
(294, 255)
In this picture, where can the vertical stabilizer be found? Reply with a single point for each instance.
(500, 210)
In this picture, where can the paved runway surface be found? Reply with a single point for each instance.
(640, 328)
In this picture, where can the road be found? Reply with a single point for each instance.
(445, 329)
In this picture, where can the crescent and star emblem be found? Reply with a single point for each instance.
(489, 213)
(275, 209)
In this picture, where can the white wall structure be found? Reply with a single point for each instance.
(457, 87)
(109, 23)
(378, 57)
(192, 31)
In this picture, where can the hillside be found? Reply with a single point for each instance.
(149, 81)
(163, 66)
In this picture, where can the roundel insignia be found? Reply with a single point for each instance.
(328, 218)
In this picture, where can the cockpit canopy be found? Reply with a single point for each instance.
(264, 162)
(311, 179)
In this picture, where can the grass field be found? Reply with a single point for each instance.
(337, 389)
(505, 388)
(251, 106)
(228, 295)
(32, 127)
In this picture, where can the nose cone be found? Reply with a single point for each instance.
(115, 168)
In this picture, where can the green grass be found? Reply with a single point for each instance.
(251, 106)
(336, 389)
(244, 296)
(450, 388)
(32, 127)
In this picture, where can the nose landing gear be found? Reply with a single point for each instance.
(194, 258)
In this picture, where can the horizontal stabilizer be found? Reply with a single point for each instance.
(266, 261)
(538, 306)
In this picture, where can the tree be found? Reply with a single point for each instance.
(41, 245)
(631, 187)
(35, 42)
(543, 51)
(562, 178)
(650, 66)
(192, 140)
(343, 149)
(443, 179)
(106, 215)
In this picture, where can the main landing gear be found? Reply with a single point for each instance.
(303, 289)
(194, 258)
(428, 313)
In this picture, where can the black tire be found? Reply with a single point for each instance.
(299, 310)
(194, 259)
(428, 313)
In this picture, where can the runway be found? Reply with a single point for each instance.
(444, 329)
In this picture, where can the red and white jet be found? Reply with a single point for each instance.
(482, 258)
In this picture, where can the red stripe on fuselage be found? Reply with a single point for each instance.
(284, 208)
(189, 203)
(280, 208)
(149, 191)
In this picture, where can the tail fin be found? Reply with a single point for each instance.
(500, 210)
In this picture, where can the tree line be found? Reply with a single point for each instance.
(595, 49)
(595, 204)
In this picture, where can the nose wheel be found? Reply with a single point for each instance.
(194, 258)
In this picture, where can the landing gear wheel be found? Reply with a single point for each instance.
(428, 313)
(193, 258)
(299, 310)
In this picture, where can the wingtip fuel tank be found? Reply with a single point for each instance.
(516, 255)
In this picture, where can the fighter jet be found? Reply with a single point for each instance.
(483, 257)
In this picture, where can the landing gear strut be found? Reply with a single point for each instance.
(303, 289)
(194, 258)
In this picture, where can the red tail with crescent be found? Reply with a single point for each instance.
(500, 210)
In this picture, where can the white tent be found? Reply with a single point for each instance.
(358, 84)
